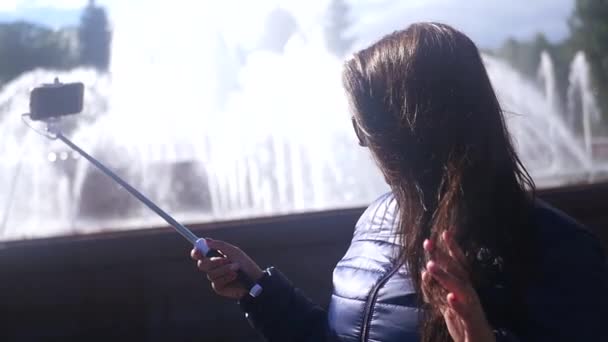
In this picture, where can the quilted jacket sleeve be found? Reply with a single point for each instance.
(282, 313)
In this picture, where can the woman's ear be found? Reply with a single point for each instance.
(358, 132)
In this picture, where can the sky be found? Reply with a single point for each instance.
(488, 22)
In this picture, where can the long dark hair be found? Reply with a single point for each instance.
(423, 103)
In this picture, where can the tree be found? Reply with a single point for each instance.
(279, 27)
(525, 55)
(25, 46)
(589, 27)
(338, 22)
(94, 37)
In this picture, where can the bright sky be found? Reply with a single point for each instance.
(488, 22)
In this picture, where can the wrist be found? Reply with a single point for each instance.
(259, 279)
(258, 274)
(250, 300)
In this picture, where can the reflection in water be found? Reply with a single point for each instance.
(227, 129)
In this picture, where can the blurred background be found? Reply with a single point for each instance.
(234, 109)
(230, 115)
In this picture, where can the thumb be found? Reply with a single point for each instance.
(230, 251)
(236, 255)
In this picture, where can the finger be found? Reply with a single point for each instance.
(196, 254)
(223, 284)
(426, 280)
(455, 325)
(222, 271)
(227, 249)
(453, 248)
(224, 280)
(459, 307)
(445, 261)
(447, 280)
(449, 314)
(208, 264)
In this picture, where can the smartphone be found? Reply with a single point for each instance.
(55, 100)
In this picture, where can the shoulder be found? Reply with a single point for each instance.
(561, 235)
(568, 293)
(568, 252)
(373, 247)
(381, 215)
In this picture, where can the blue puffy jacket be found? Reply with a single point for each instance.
(373, 298)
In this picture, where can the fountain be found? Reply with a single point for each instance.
(220, 129)
(581, 99)
(547, 146)
(546, 75)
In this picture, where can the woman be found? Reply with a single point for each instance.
(459, 249)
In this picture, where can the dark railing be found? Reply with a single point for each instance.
(140, 285)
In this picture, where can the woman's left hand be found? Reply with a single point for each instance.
(463, 313)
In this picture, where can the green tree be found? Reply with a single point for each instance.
(525, 55)
(279, 27)
(336, 27)
(25, 46)
(589, 25)
(562, 54)
(94, 37)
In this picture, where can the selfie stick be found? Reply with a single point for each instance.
(199, 243)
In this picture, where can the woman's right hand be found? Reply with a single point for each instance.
(222, 271)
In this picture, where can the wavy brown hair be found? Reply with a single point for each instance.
(424, 105)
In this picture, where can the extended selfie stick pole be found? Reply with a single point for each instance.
(199, 243)
(185, 232)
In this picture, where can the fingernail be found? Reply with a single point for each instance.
(430, 266)
(427, 245)
(451, 297)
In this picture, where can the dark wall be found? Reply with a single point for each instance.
(142, 286)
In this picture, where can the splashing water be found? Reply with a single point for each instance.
(222, 134)
(581, 99)
(547, 146)
(546, 75)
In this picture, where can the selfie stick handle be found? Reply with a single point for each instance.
(199, 243)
